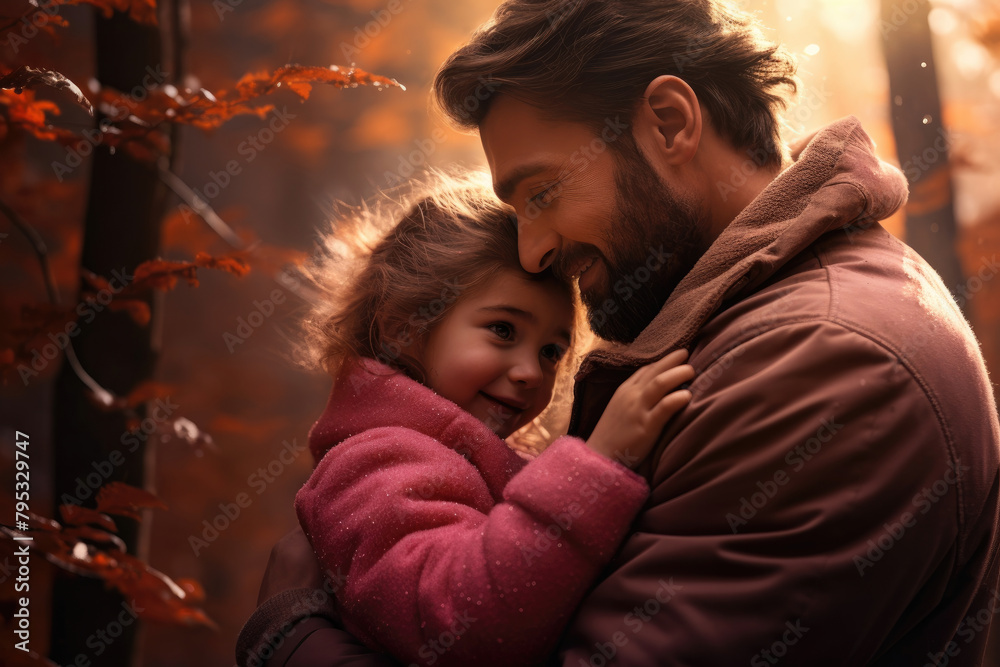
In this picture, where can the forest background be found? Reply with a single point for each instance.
(208, 412)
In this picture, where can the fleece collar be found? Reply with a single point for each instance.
(369, 395)
(835, 181)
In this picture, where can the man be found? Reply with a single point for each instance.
(830, 495)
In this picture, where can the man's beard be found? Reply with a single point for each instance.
(649, 222)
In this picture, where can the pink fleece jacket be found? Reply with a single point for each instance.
(446, 548)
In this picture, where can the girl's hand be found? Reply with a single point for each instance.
(640, 408)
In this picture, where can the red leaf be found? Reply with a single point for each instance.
(120, 498)
(140, 11)
(51, 22)
(101, 537)
(232, 264)
(38, 522)
(163, 274)
(194, 590)
(257, 430)
(143, 392)
(157, 596)
(99, 283)
(271, 259)
(148, 391)
(138, 310)
(76, 515)
(185, 230)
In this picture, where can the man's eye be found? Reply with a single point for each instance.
(545, 197)
(503, 330)
(553, 352)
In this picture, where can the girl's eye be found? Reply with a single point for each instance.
(503, 330)
(553, 352)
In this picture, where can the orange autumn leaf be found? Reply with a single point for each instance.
(183, 229)
(199, 108)
(29, 114)
(300, 79)
(163, 274)
(206, 110)
(135, 125)
(231, 264)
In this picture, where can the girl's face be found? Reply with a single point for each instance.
(495, 352)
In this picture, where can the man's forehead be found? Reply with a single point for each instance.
(520, 143)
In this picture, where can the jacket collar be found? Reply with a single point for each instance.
(835, 181)
(368, 395)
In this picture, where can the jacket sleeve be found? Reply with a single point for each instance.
(435, 571)
(296, 629)
(806, 495)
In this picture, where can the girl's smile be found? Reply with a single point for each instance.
(495, 353)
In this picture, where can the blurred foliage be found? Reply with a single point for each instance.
(254, 403)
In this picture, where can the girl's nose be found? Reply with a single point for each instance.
(526, 371)
(536, 244)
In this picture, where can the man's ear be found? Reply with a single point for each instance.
(669, 120)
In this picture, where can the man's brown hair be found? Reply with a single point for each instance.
(591, 61)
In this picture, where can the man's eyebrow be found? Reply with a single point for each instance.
(505, 188)
(513, 310)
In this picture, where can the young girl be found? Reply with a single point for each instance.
(455, 550)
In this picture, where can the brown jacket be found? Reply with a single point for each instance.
(830, 494)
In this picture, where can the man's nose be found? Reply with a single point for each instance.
(536, 244)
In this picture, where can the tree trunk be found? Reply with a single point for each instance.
(121, 231)
(921, 141)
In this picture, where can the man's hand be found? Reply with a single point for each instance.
(292, 565)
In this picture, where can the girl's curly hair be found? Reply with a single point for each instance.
(387, 273)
